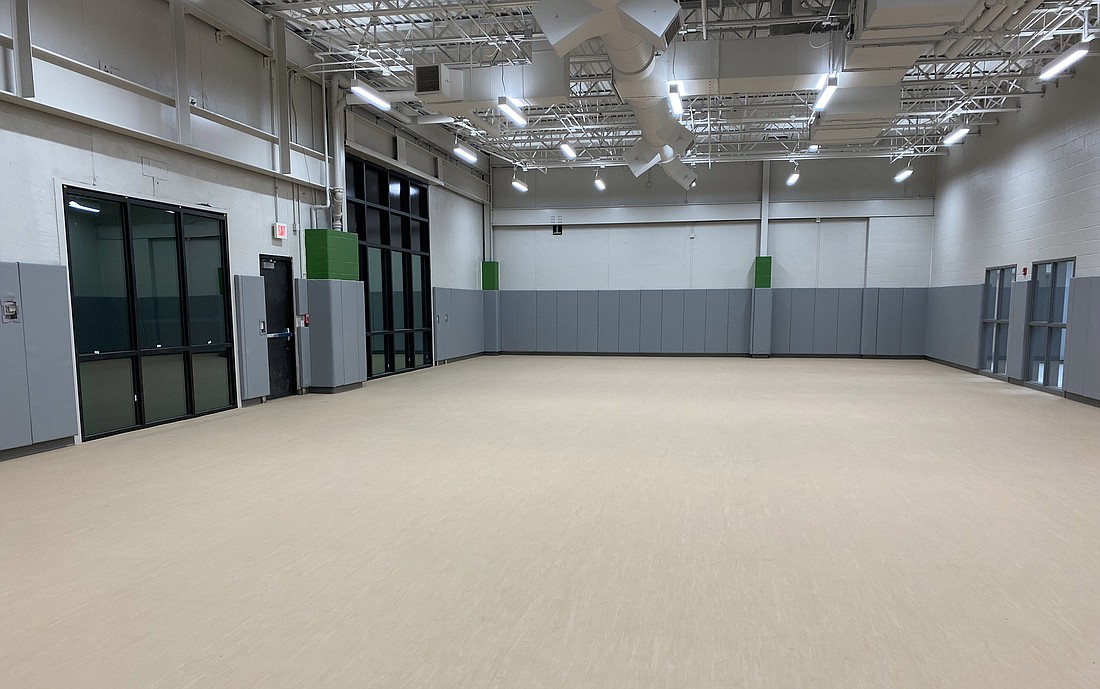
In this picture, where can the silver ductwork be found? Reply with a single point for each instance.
(632, 32)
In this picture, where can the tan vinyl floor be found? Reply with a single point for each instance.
(572, 523)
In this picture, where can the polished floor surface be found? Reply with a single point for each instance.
(572, 523)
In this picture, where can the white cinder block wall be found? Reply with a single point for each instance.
(1026, 190)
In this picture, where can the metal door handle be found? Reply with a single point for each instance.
(286, 334)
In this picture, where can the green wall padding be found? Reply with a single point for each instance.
(332, 255)
(490, 275)
(763, 272)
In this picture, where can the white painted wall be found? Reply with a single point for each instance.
(807, 253)
(899, 251)
(1026, 190)
(457, 227)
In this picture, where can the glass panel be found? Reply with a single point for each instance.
(989, 305)
(156, 278)
(397, 269)
(414, 235)
(206, 274)
(401, 350)
(1036, 354)
(372, 181)
(1008, 276)
(1002, 348)
(389, 353)
(399, 236)
(414, 199)
(417, 293)
(1040, 304)
(164, 387)
(375, 296)
(395, 194)
(1057, 356)
(357, 220)
(101, 297)
(987, 346)
(211, 381)
(353, 174)
(107, 395)
(423, 349)
(377, 346)
(1062, 275)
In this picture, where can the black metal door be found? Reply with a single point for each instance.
(279, 288)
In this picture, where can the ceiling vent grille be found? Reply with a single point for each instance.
(429, 79)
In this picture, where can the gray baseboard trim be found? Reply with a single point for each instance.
(252, 402)
(336, 390)
(443, 362)
(961, 367)
(708, 355)
(37, 448)
(1082, 399)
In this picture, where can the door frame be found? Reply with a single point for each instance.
(293, 320)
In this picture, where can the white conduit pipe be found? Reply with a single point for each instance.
(337, 131)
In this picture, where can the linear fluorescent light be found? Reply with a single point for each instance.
(567, 151)
(1066, 60)
(792, 179)
(826, 94)
(512, 109)
(904, 175)
(519, 184)
(675, 100)
(599, 182)
(465, 153)
(80, 207)
(822, 82)
(813, 148)
(368, 94)
(956, 136)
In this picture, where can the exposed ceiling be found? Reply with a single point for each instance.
(909, 71)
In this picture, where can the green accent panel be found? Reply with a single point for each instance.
(332, 255)
(763, 267)
(490, 275)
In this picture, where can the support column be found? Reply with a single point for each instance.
(281, 92)
(21, 39)
(179, 45)
(761, 342)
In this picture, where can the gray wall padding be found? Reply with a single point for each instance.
(954, 324)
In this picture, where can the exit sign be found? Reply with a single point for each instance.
(278, 230)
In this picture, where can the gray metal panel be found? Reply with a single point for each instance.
(1077, 334)
(525, 321)
(439, 313)
(354, 325)
(608, 336)
(301, 297)
(716, 321)
(630, 321)
(695, 321)
(914, 313)
(802, 321)
(952, 326)
(567, 322)
(508, 321)
(672, 320)
(326, 337)
(868, 342)
(739, 335)
(546, 321)
(15, 404)
(781, 321)
(1017, 331)
(849, 320)
(888, 336)
(47, 329)
(826, 319)
(490, 304)
(1092, 355)
(649, 340)
(255, 372)
(588, 321)
(305, 365)
(761, 332)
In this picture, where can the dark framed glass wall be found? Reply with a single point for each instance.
(151, 312)
(1049, 311)
(995, 311)
(389, 213)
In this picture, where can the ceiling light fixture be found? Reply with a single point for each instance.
(792, 179)
(600, 184)
(518, 183)
(466, 154)
(822, 82)
(367, 93)
(567, 151)
(813, 148)
(826, 94)
(956, 136)
(903, 175)
(1066, 59)
(512, 109)
(675, 97)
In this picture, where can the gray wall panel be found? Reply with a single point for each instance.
(630, 321)
(717, 321)
(301, 297)
(608, 336)
(588, 321)
(252, 361)
(546, 321)
(508, 318)
(888, 336)
(1077, 334)
(525, 321)
(440, 310)
(15, 405)
(492, 331)
(914, 312)
(781, 321)
(567, 321)
(695, 321)
(351, 328)
(952, 329)
(1091, 384)
(739, 335)
(650, 321)
(47, 327)
(327, 336)
(1017, 332)
(868, 341)
(672, 321)
(305, 348)
(849, 321)
(761, 326)
(802, 321)
(826, 319)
